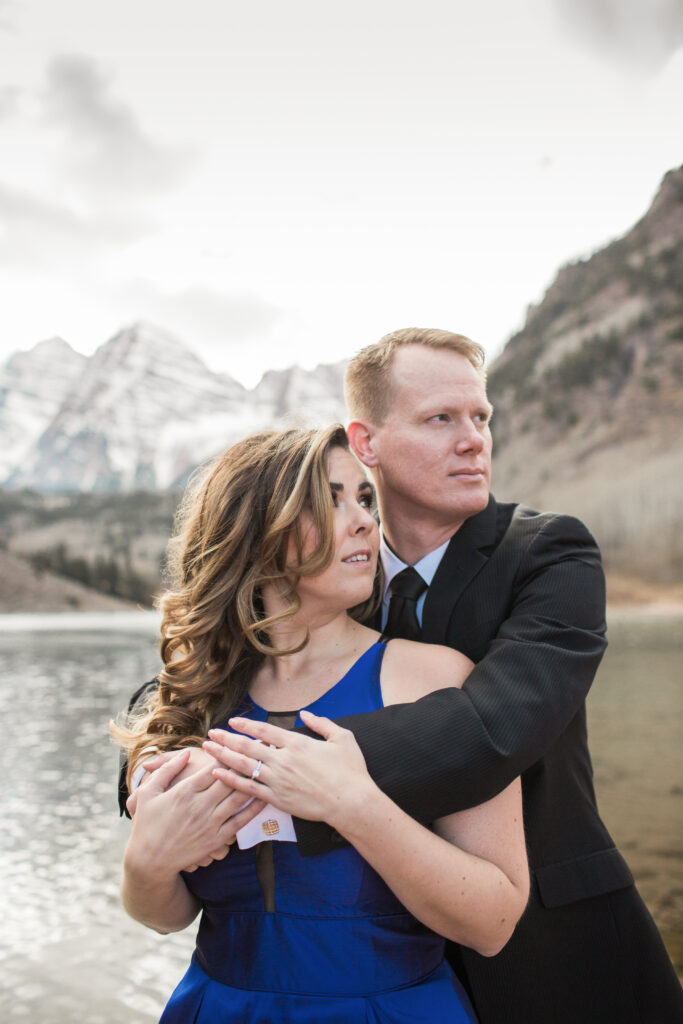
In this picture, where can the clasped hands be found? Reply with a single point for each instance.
(192, 807)
(183, 816)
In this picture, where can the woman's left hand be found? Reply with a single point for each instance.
(297, 774)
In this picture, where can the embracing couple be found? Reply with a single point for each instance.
(451, 797)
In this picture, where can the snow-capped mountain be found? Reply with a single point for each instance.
(33, 386)
(140, 413)
(318, 393)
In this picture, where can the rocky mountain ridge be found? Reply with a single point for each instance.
(589, 395)
(140, 413)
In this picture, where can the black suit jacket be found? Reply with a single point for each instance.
(522, 594)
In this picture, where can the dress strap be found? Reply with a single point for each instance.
(376, 670)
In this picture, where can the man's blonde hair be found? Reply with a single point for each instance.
(367, 383)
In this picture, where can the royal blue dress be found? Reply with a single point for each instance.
(338, 948)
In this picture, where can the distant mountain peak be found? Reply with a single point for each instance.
(144, 341)
(670, 192)
(54, 344)
(55, 348)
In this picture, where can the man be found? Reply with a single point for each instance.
(522, 594)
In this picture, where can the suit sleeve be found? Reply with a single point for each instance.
(457, 748)
(138, 696)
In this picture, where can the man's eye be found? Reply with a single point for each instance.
(441, 417)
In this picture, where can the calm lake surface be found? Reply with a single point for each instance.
(69, 953)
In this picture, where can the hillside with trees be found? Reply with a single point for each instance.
(589, 396)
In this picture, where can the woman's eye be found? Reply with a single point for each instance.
(367, 501)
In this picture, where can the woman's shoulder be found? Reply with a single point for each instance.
(412, 670)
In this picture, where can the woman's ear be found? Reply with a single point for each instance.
(360, 437)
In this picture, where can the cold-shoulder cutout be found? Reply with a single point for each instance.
(412, 670)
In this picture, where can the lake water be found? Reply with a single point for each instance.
(70, 954)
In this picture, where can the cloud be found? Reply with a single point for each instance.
(38, 232)
(9, 100)
(107, 148)
(220, 318)
(6, 10)
(99, 169)
(237, 332)
(642, 33)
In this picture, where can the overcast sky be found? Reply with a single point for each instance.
(285, 182)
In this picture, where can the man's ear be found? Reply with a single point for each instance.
(361, 440)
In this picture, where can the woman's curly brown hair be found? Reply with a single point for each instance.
(231, 538)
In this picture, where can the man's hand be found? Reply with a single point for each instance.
(297, 774)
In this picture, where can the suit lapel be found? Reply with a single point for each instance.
(463, 559)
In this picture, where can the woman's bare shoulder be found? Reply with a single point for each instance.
(412, 670)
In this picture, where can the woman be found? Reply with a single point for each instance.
(279, 542)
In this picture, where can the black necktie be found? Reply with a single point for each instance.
(406, 588)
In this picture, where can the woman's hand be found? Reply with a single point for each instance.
(183, 823)
(198, 759)
(297, 774)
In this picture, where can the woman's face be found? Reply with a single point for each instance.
(349, 578)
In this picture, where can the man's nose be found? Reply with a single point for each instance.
(469, 439)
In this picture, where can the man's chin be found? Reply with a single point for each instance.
(470, 504)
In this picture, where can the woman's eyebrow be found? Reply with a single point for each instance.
(336, 488)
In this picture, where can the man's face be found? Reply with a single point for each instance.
(434, 449)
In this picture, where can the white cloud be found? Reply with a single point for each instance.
(36, 232)
(107, 148)
(237, 331)
(642, 33)
(9, 100)
(81, 174)
(221, 318)
(7, 23)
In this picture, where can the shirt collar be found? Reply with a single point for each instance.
(393, 565)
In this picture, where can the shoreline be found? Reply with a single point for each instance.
(654, 609)
(149, 620)
(137, 620)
